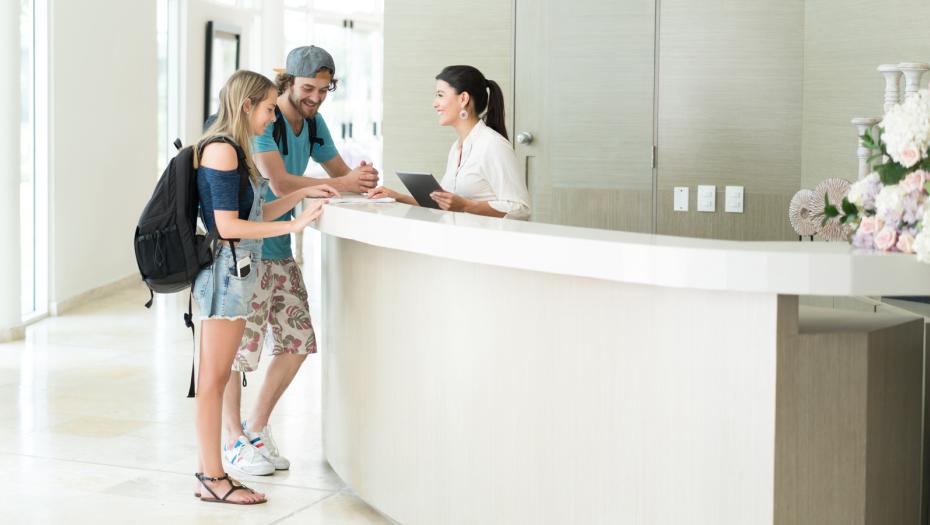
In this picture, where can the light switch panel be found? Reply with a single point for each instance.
(681, 198)
(707, 198)
(734, 199)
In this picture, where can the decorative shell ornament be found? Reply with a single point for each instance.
(833, 189)
(800, 215)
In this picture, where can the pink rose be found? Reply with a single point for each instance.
(909, 157)
(913, 182)
(868, 225)
(905, 243)
(885, 239)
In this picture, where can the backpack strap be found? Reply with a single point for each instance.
(189, 322)
(278, 132)
(242, 169)
(243, 183)
(311, 132)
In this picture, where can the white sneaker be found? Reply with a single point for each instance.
(264, 442)
(244, 459)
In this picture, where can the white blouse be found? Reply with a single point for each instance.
(487, 172)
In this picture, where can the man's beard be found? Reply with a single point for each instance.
(303, 109)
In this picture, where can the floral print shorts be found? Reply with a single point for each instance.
(279, 304)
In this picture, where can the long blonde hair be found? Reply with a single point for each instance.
(231, 120)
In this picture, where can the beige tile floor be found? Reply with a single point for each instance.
(97, 427)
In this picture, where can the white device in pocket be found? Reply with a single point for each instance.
(243, 267)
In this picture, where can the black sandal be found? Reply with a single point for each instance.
(234, 484)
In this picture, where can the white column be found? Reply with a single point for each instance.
(892, 84)
(10, 309)
(863, 124)
(913, 71)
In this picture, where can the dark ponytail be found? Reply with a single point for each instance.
(485, 94)
(495, 116)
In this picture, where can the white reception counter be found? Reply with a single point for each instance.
(491, 371)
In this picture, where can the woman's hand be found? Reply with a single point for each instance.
(381, 192)
(311, 213)
(450, 201)
(320, 191)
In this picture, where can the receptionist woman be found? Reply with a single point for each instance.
(482, 175)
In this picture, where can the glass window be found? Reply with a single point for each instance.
(347, 7)
(352, 32)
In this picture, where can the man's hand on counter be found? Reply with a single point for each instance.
(360, 180)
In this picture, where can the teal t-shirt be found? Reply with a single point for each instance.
(296, 160)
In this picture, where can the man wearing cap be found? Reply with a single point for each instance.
(281, 154)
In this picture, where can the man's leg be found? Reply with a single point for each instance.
(280, 373)
(294, 339)
(232, 407)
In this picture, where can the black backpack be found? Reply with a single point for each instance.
(278, 130)
(170, 252)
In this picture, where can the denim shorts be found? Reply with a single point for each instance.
(222, 295)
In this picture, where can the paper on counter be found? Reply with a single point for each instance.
(360, 200)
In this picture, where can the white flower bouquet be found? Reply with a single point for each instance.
(887, 209)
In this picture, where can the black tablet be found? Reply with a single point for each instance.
(420, 185)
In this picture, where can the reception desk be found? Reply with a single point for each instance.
(485, 371)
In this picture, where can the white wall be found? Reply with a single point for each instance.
(726, 68)
(764, 92)
(845, 40)
(420, 38)
(730, 103)
(103, 138)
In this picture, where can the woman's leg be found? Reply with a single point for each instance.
(219, 342)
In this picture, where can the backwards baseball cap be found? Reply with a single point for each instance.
(307, 61)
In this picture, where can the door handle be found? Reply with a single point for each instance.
(525, 138)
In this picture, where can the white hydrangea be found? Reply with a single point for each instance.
(862, 192)
(925, 221)
(921, 246)
(889, 203)
(907, 130)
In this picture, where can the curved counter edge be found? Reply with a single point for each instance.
(796, 268)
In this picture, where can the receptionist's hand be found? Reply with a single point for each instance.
(450, 201)
(380, 192)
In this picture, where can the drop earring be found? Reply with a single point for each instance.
(463, 114)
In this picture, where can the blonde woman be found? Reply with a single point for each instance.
(222, 290)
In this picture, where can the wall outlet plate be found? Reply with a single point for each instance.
(734, 199)
(707, 198)
(681, 198)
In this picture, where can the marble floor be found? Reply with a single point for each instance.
(98, 428)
